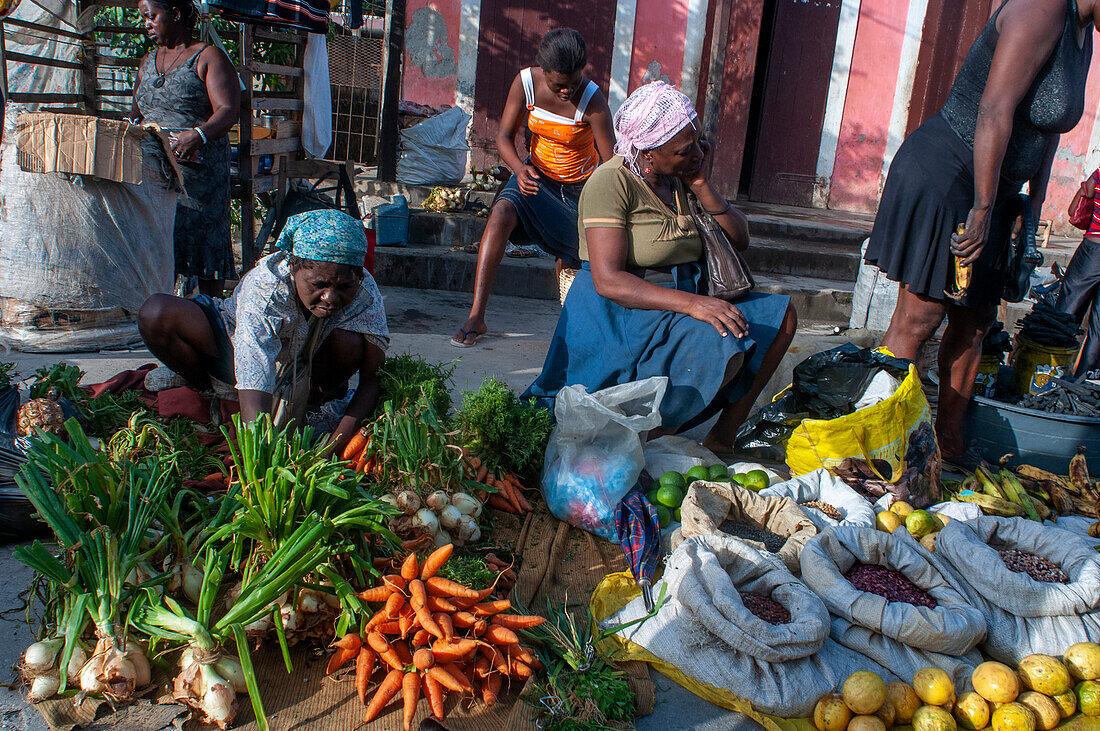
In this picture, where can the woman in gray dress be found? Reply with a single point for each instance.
(191, 90)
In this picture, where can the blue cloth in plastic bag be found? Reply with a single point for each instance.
(595, 452)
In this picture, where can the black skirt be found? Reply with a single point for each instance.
(929, 191)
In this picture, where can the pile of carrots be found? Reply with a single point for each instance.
(509, 492)
(433, 636)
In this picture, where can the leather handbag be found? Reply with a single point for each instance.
(1082, 213)
(728, 276)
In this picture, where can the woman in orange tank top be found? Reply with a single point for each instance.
(571, 133)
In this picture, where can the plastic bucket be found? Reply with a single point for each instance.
(985, 383)
(1034, 364)
(391, 222)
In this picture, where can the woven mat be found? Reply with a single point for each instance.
(560, 565)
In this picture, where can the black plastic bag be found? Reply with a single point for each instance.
(826, 385)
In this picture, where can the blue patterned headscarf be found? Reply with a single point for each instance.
(325, 235)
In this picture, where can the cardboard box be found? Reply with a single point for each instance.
(79, 144)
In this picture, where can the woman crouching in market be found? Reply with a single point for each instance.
(298, 326)
(638, 307)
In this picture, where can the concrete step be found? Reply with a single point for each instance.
(765, 221)
(419, 266)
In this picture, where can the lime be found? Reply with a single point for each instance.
(651, 496)
(676, 515)
(757, 480)
(718, 471)
(699, 472)
(669, 496)
(673, 478)
(663, 516)
(741, 478)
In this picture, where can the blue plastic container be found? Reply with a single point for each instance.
(1037, 438)
(391, 222)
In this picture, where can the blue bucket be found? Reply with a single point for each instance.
(391, 222)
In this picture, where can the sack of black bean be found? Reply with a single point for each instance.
(890, 602)
(1038, 586)
(737, 619)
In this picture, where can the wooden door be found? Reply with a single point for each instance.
(792, 105)
(950, 28)
(509, 39)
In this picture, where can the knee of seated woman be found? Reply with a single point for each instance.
(156, 314)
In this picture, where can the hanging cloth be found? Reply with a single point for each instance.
(317, 116)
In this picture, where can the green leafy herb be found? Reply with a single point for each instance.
(403, 378)
(6, 371)
(110, 412)
(504, 430)
(471, 571)
(64, 377)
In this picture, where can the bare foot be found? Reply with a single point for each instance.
(469, 333)
(718, 446)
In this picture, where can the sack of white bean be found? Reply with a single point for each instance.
(891, 603)
(1038, 586)
(736, 619)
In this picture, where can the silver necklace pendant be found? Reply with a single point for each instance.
(159, 82)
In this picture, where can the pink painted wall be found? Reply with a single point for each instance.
(431, 51)
(1075, 161)
(876, 60)
(660, 31)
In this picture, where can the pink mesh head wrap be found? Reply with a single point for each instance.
(650, 117)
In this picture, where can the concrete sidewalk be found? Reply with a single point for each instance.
(421, 322)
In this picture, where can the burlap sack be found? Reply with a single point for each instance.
(1025, 616)
(709, 504)
(706, 632)
(901, 636)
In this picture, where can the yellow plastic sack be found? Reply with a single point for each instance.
(614, 593)
(887, 447)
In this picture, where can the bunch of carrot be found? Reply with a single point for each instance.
(434, 636)
(509, 492)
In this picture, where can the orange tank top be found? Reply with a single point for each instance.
(563, 148)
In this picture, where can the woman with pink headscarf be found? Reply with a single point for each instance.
(638, 307)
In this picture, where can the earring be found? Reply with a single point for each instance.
(648, 170)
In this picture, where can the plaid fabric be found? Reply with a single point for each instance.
(640, 532)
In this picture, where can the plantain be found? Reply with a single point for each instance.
(961, 274)
(1094, 530)
(1015, 492)
(1035, 474)
(1083, 507)
(1079, 471)
(1059, 499)
(989, 482)
(1035, 489)
(992, 505)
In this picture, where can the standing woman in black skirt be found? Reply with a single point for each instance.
(1021, 85)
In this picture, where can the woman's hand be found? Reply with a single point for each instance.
(725, 317)
(528, 178)
(700, 177)
(970, 243)
(186, 143)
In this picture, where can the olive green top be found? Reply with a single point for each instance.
(614, 197)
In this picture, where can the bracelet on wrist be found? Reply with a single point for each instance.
(721, 212)
(202, 135)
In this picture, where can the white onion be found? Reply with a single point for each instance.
(89, 675)
(135, 654)
(39, 658)
(408, 502)
(192, 582)
(449, 517)
(441, 538)
(466, 505)
(76, 662)
(468, 530)
(437, 500)
(426, 520)
(389, 499)
(309, 601)
(229, 668)
(43, 687)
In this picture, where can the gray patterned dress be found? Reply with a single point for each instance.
(202, 241)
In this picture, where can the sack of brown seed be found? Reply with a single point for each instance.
(825, 499)
(1038, 586)
(773, 524)
(891, 603)
(708, 631)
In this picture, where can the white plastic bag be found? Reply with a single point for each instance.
(434, 151)
(706, 632)
(675, 454)
(595, 452)
(1025, 616)
(823, 486)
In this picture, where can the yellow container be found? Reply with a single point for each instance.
(986, 381)
(1033, 365)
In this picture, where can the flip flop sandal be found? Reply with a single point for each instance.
(467, 249)
(521, 252)
(465, 334)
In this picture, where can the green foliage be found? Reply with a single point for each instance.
(403, 378)
(6, 371)
(468, 570)
(504, 430)
(64, 377)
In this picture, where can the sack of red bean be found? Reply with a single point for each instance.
(737, 619)
(1038, 586)
(891, 603)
